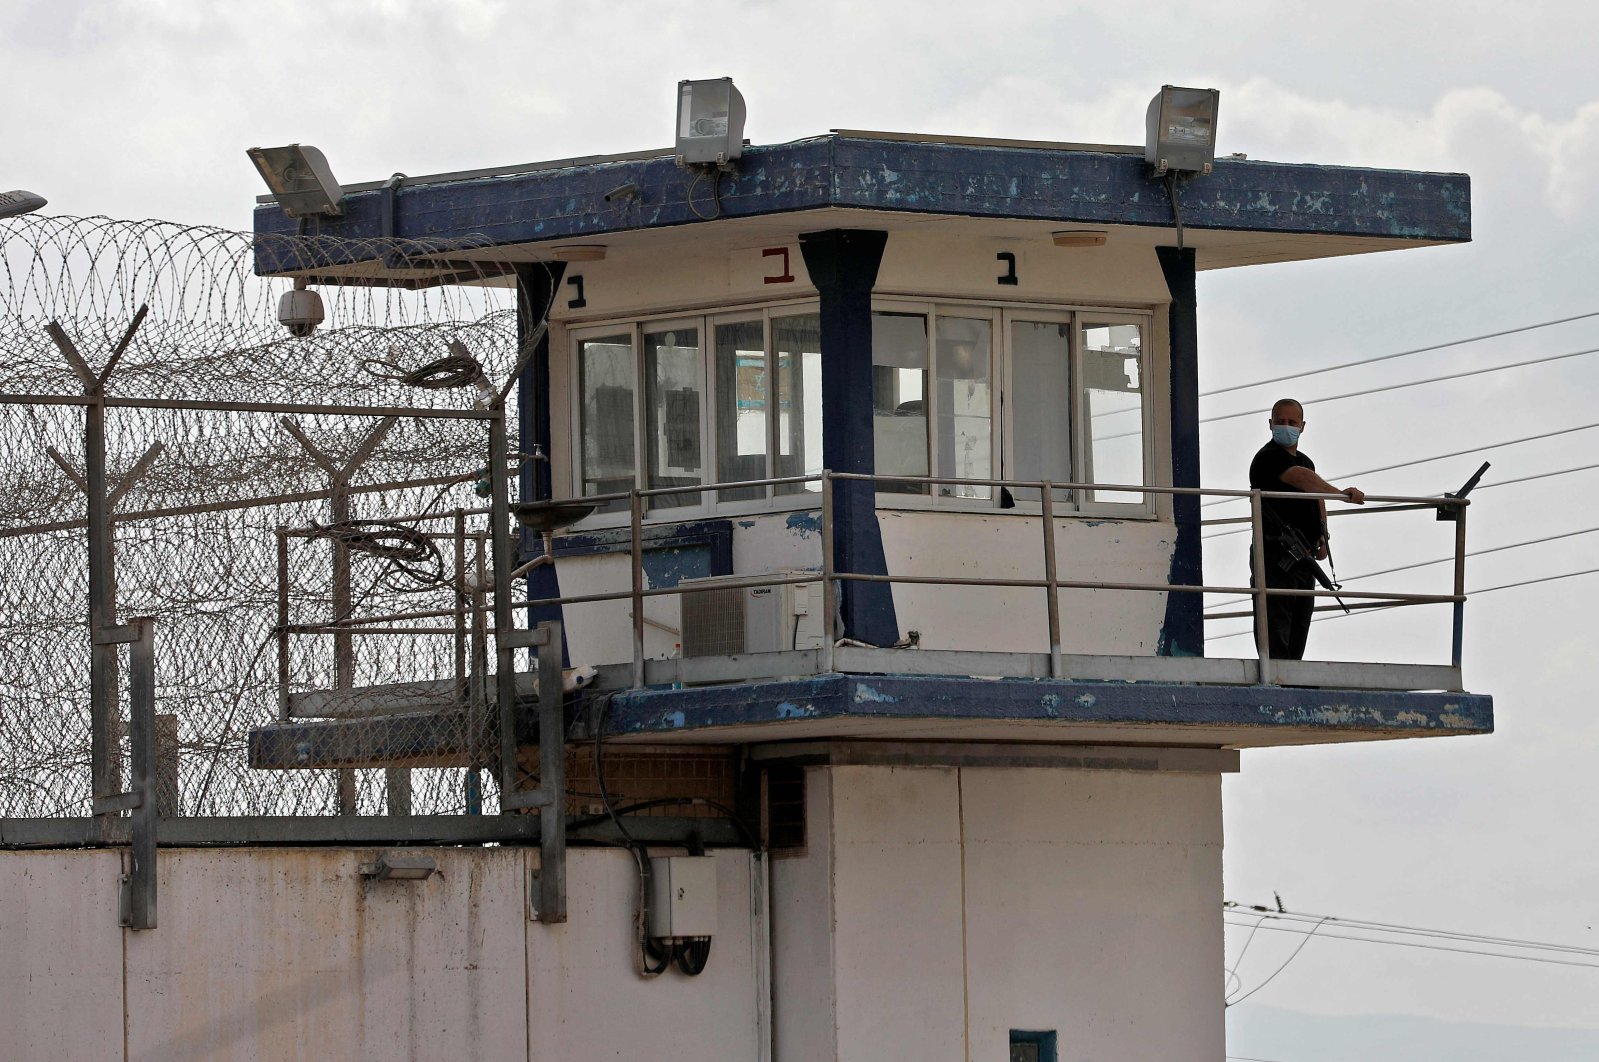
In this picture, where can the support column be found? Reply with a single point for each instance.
(1183, 631)
(843, 265)
(536, 288)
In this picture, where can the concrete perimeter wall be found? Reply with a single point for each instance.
(288, 954)
(937, 908)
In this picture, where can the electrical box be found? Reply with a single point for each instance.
(727, 621)
(682, 896)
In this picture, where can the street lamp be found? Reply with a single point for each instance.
(19, 202)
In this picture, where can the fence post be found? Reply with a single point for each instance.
(146, 810)
(1257, 562)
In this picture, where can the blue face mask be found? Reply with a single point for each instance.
(1285, 435)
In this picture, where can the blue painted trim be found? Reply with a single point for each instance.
(1182, 631)
(1045, 184)
(1043, 1039)
(717, 535)
(535, 292)
(1124, 703)
(843, 265)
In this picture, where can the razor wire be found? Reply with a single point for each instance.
(196, 532)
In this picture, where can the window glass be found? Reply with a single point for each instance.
(899, 398)
(1113, 399)
(965, 429)
(605, 368)
(742, 402)
(797, 342)
(1040, 405)
(672, 413)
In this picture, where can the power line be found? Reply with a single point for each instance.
(1385, 608)
(1439, 560)
(1330, 935)
(1402, 386)
(1400, 354)
(1409, 930)
(1292, 956)
(1480, 487)
(1436, 457)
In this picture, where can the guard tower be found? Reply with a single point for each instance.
(861, 484)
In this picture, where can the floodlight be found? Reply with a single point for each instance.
(1180, 130)
(710, 122)
(392, 866)
(300, 178)
(19, 202)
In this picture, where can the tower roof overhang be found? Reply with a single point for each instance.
(469, 226)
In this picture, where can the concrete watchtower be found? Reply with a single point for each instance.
(968, 700)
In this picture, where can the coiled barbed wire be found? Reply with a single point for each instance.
(196, 536)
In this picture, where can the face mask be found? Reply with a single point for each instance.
(1285, 435)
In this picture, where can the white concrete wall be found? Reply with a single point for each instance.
(964, 903)
(1013, 619)
(287, 954)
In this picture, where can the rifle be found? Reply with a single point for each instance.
(1298, 551)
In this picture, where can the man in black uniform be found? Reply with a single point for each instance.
(1279, 466)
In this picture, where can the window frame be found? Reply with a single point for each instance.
(999, 315)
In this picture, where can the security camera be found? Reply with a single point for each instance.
(300, 310)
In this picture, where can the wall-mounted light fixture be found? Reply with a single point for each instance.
(710, 122)
(578, 252)
(397, 866)
(300, 178)
(1180, 130)
(19, 202)
(1079, 238)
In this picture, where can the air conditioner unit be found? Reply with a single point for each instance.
(721, 620)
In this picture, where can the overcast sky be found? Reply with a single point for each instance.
(144, 109)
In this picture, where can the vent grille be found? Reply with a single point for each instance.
(713, 622)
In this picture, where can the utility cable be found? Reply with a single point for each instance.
(1400, 354)
(1435, 457)
(1419, 945)
(1385, 608)
(1409, 930)
(1292, 956)
(1427, 563)
(1401, 386)
(1480, 487)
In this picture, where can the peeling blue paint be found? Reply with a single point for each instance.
(746, 524)
(865, 694)
(790, 710)
(1051, 703)
(1048, 184)
(1086, 700)
(675, 720)
(804, 523)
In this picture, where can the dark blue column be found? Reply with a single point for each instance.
(843, 265)
(536, 287)
(1183, 632)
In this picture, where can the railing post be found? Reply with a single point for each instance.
(1257, 562)
(504, 620)
(637, 504)
(1050, 577)
(1457, 641)
(829, 586)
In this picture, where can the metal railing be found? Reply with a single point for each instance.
(1052, 583)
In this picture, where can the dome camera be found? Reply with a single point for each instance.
(300, 310)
